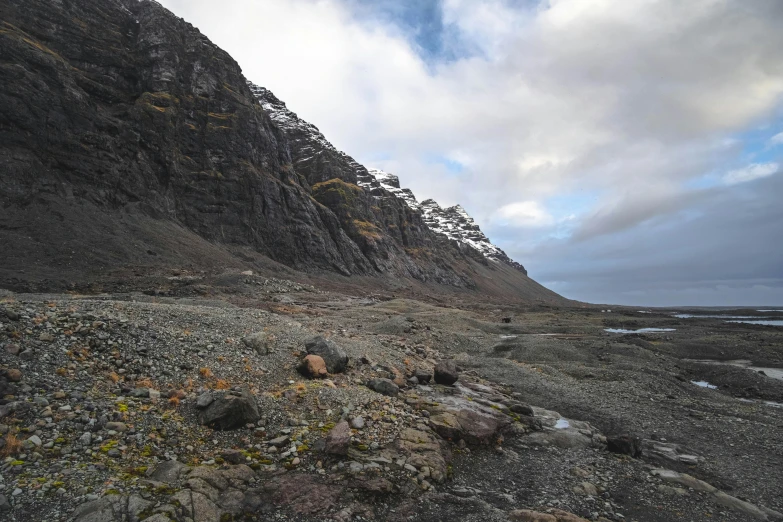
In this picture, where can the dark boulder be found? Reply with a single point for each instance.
(423, 376)
(625, 445)
(384, 387)
(230, 411)
(522, 409)
(335, 358)
(446, 373)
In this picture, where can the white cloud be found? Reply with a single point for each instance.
(777, 139)
(523, 214)
(749, 173)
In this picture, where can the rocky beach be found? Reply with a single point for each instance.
(139, 407)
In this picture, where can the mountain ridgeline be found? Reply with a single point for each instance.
(127, 139)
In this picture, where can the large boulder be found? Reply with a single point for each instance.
(446, 373)
(335, 358)
(313, 366)
(473, 425)
(230, 410)
(384, 387)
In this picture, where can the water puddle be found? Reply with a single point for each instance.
(562, 424)
(640, 330)
(773, 373)
(704, 384)
(762, 322)
(749, 319)
(771, 404)
(707, 316)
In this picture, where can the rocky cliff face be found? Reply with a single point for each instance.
(452, 222)
(120, 122)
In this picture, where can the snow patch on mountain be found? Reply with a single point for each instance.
(453, 222)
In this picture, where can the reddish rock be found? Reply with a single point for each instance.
(339, 439)
(179, 394)
(313, 366)
(13, 349)
(303, 494)
(14, 375)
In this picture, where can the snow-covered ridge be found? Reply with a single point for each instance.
(284, 118)
(452, 222)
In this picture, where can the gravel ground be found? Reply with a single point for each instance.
(104, 399)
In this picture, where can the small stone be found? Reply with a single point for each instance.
(204, 400)
(233, 456)
(116, 426)
(339, 439)
(357, 423)
(46, 337)
(154, 394)
(384, 387)
(13, 349)
(141, 393)
(14, 375)
(86, 438)
(278, 441)
(259, 342)
(33, 441)
(296, 461)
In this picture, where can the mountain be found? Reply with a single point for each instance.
(452, 222)
(129, 142)
(320, 161)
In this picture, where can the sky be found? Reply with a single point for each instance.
(625, 152)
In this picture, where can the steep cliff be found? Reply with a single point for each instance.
(128, 139)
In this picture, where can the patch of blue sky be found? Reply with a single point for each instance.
(755, 145)
(452, 166)
(420, 21)
(563, 206)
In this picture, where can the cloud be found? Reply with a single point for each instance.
(523, 214)
(776, 140)
(629, 100)
(750, 173)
